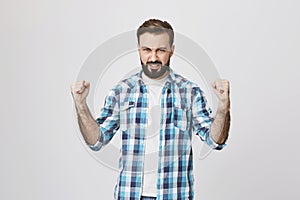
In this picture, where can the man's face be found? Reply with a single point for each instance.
(155, 53)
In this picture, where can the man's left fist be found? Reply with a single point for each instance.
(221, 89)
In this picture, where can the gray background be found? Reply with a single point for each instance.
(255, 44)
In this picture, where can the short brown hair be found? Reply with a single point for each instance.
(156, 26)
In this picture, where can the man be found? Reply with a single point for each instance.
(156, 111)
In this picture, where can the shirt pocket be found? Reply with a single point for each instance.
(180, 118)
(181, 143)
(127, 115)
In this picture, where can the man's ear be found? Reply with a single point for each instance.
(138, 47)
(172, 50)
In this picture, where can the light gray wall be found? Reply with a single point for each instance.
(255, 44)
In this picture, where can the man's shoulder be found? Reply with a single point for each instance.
(186, 86)
(130, 81)
(183, 82)
(126, 83)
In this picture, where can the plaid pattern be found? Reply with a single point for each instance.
(148, 198)
(184, 110)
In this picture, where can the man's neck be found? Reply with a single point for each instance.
(161, 79)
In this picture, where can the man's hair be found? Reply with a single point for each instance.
(156, 26)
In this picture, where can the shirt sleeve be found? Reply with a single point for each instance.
(202, 118)
(108, 121)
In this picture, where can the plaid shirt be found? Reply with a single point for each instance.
(184, 109)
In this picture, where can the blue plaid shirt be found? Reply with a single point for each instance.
(184, 110)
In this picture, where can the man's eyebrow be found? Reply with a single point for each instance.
(163, 48)
(145, 47)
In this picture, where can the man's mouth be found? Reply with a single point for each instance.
(155, 69)
(154, 66)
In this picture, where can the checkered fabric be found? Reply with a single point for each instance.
(184, 110)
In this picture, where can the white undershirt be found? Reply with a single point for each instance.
(152, 135)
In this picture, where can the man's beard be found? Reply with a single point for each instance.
(155, 73)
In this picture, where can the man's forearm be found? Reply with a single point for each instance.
(88, 126)
(220, 126)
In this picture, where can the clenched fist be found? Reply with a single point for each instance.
(221, 89)
(80, 90)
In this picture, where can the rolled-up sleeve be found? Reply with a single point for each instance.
(202, 118)
(108, 120)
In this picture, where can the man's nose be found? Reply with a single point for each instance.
(153, 56)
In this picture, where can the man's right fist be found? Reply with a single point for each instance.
(80, 90)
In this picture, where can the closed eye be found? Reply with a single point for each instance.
(146, 49)
(162, 50)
